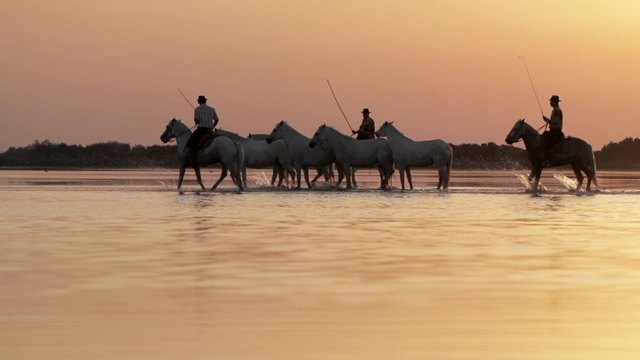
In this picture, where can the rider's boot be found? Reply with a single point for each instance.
(192, 159)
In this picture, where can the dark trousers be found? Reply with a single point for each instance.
(194, 142)
(550, 139)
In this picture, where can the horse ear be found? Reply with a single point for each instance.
(391, 123)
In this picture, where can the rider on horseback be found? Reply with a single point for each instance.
(368, 127)
(554, 135)
(206, 118)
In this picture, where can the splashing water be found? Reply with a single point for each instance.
(260, 179)
(570, 184)
(524, 179)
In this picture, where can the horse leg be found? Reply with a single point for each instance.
(441, 176)
(353, 177)
(305, 169)
(289, 171)
(383, 179)
(401, 170)
(274, 175)
(243, 175)
(181, 176)
(277, 171)
(579, 176)
(328, 173)
(238, 174)
(590, 176)
(536, 179)
(340, 174)
(389, 173)
(223, 175)
(298, 175)
(409, 178)
(196, 169)
(318, 174)
(348, 175)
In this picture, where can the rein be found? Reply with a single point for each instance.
(182, 133)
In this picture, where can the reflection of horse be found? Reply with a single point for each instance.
(408, 153)
(221, 149)
(302, 156)
(358, 153)
(572, 150)
(258, 154)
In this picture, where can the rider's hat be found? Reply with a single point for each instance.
(366, 111)
(555, 98)
(201, 98)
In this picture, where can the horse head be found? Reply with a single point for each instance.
(169, 132)
(516, 133)
(382, 131)
(276, 133)
(318, 137)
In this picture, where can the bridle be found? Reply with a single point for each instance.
(521, 132)
(173, 137)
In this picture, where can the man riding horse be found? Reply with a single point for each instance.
(554, 135)
(206, 119)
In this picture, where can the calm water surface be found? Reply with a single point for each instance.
(119, 265)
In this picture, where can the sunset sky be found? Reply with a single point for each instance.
(87, 71)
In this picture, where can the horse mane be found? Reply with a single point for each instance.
(334, 130)
(524, 123)
(391, 126)
(284, 123)
(179, 122)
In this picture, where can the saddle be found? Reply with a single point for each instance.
(561, 151)
(206, 140)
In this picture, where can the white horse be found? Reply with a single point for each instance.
(221, 150)
(258, 154)
(357, 153)
(302, 156)
(408, 153)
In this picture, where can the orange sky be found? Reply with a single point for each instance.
(82, 72)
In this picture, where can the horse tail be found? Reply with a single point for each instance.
(592, 166)
(239, 163)
(448, 167)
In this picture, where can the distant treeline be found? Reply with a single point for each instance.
(622, 155)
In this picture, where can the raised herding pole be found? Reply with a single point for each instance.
(339, 107)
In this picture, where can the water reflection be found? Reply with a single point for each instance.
(276, 274)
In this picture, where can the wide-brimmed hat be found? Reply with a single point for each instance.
(202, 98)
(366, 111)
(555, 98)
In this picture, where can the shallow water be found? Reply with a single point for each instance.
(119, 265)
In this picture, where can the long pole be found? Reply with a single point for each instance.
(339, 107)
(186, 99)
(533, 87)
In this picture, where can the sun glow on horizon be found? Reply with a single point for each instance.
(447, 70)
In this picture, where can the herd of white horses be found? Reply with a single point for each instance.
(288, 152)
